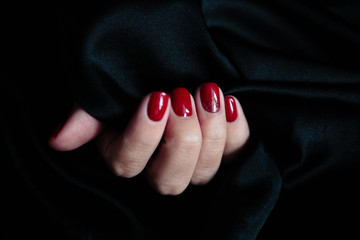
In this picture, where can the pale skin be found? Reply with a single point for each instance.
(191, 152)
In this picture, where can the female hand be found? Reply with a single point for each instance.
(197, 134)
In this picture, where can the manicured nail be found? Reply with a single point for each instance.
(157, 105)
(230, 109)
(210, 97)
(57, 130)
(181, 102)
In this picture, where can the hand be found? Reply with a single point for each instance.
(197, 134)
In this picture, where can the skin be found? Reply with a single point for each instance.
(191, 151)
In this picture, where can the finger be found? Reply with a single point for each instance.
(211, 114)
(171, 169)
(127, 154)
(237, 127)
(77, 130)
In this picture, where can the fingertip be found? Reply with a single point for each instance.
(77, 130)
(238, 131)
(157, 105)
(231, 109)
(55, 138)
(208, 97)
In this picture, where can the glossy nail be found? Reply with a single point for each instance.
(181, 102)
(230, 109)
(157, 105)
(210, 97)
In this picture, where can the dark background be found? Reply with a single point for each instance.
(298, 177)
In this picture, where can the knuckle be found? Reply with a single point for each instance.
(215, 137)
(201, 178)
(126, 160)
(125, 170)
(186, 141)
(170, 188)
(167, 184)
(138, 143)
(189, 139)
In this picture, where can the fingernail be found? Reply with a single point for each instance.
(157, 105)
(181, 102)
(210, 97)
(230, 109)
(57, 130)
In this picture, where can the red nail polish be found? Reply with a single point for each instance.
(230, 109)
(210, 97)
(157, 105)
(181, 102)
(57, 130)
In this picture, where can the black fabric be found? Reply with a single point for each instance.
(292, 64)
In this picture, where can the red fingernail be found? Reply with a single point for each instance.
(230, 109)
(210, 97)
(157, 105)
(57, 130)
(181, 102)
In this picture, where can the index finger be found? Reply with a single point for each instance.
(128, 153)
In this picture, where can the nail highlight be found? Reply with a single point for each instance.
(230, 109)
(210, 97)
(181, 102)
(157, 105)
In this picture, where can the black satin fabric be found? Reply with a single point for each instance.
(292, 64)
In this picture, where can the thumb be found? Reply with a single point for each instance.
(77, 130)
